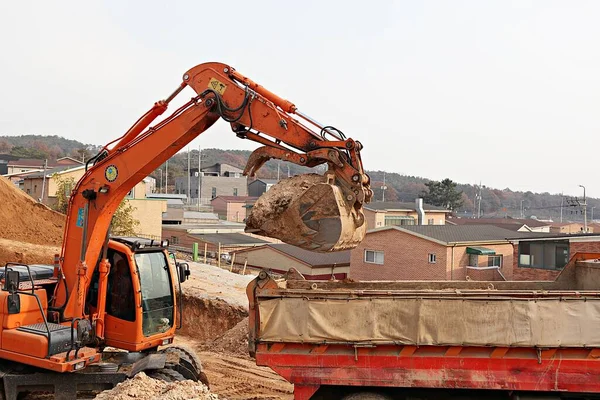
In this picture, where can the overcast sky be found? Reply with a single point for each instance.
(502, 92)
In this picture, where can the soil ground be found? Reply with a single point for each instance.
(223, 348)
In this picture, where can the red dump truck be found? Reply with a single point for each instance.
(431, 340)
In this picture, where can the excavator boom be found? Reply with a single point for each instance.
(316, 212)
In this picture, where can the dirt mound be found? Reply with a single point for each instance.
(26, 253)
(207, 319)
(144, 387)
(234, 341)
(25, 220)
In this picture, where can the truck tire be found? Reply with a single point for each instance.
(167, 375)
(189, 358)
(367, 396)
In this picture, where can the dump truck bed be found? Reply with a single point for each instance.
(524, 336)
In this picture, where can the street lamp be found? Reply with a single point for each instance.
(585, 229)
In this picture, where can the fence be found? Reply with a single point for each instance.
(219, 255)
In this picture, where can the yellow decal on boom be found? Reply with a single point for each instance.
(217, 86)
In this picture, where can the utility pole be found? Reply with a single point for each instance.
(189, 195)
(167, 177)
(44, 181)
(383, 188)
(199, 175)
(478, 200)
(160, 184)
(522, 210)
(288, 169)
(562, 199)
(585, 229)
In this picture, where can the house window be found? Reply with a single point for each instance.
(495, 261)
(235, 191)
(374, 257)
(399, 220)
(196, 191)
(432, 258)
(28, 191)
(174, 240)
(35, 188)
(214, 192)
(473, 260)
(430, 221)
(544, 254)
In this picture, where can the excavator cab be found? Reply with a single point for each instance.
(142, 294)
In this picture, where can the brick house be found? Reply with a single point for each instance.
(279, 258)
(544, 257)
(381, 214)
(434, 252)
(232, 208)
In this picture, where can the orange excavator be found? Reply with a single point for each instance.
(122, 292)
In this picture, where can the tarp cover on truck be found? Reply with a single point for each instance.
(543, 322)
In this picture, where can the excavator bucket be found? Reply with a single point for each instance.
(309, 211)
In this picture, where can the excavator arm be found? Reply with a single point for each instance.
(322, 213)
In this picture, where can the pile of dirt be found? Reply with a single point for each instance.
(30, 232)
(207, 319)
(234, 341)
(25, 220)
(144, 387)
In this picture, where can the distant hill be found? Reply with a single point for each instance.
(494, 203)
(42, 147)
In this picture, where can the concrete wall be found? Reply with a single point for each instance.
(575, 227)
(405, 258)
(231, 211)
(149, 213)
(225, 186)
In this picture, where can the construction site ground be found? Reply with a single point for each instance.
(216, 327)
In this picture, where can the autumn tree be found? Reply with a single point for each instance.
(64, 187)
(123, 222)
(443, 194)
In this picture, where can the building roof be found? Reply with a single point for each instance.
(57, 170)
(34, 162)
(229, 239)
(200, 215)
(504, 222)
(401, 206)
(311, 258)
(236, 199)
(450, 234)
(265, 181)
(557, 236)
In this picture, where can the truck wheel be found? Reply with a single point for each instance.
(189, 363)
(367, 396)
(167, 375)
